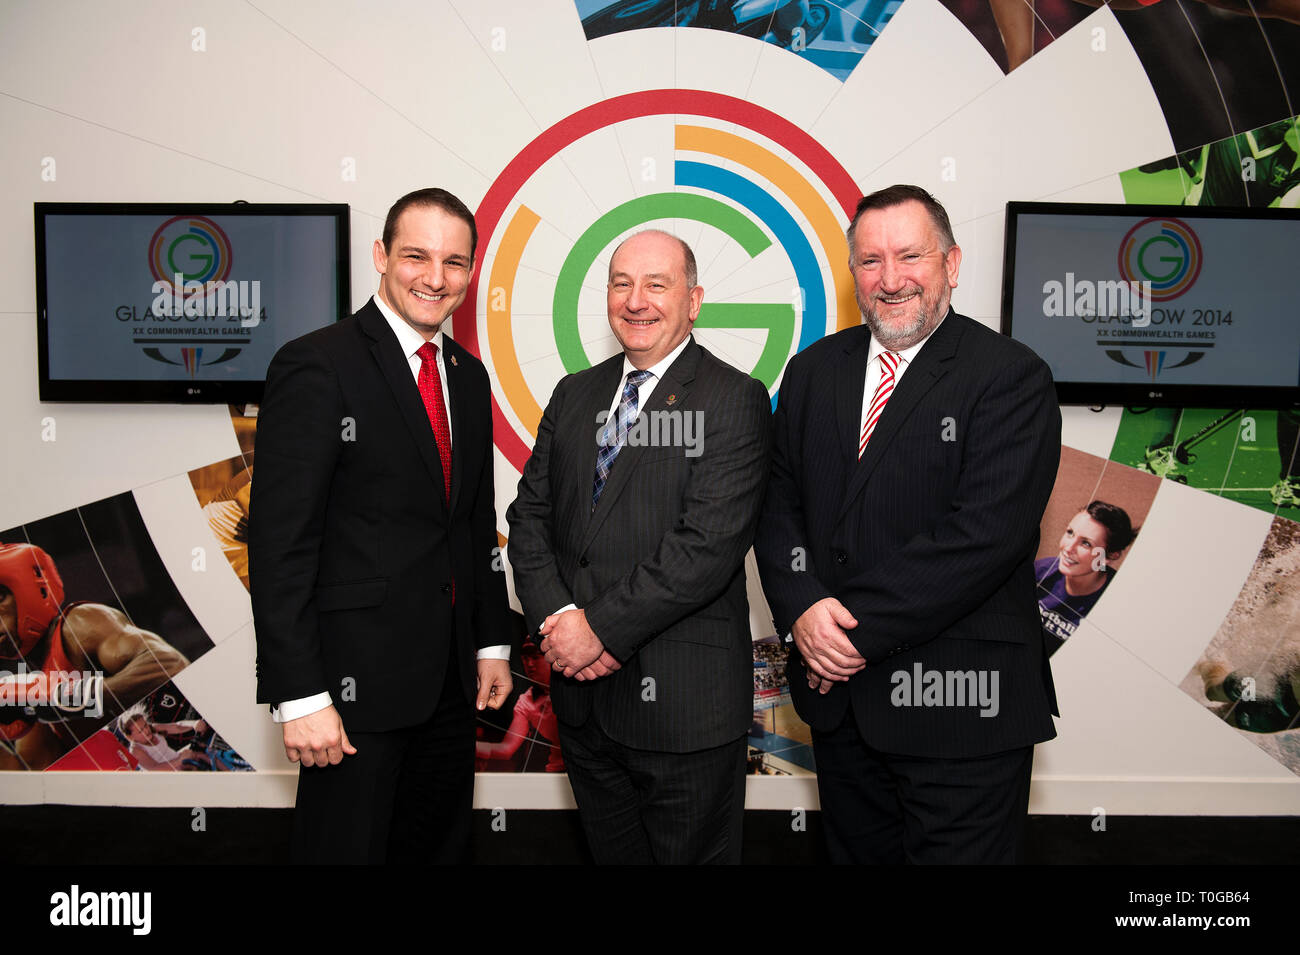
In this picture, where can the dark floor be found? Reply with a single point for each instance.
(79, 835)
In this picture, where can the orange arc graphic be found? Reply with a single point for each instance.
(792, 183)
(500, 331)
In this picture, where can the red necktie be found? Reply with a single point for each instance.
(885, 388)
(431, 391)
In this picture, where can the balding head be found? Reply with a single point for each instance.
(688, 257)
(652, 300)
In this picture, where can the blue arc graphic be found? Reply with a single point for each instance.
(772, 214)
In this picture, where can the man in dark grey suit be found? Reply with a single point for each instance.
(912, 461)
(627, 540)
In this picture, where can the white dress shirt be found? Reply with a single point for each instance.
(647, 387)
(410, 341)
(906, 357)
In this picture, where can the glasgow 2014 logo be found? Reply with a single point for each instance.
(194, 303)
(1163, 251)
(192, 247)
(768, 202)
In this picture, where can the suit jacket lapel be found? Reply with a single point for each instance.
(850, 379)
(594, 400)
(458, 409)
(397, 373)
(675, 384)
(930, 364)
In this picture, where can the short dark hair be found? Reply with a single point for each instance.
(439, 198)
(692, 270)
(895, 196)
(1120, 531)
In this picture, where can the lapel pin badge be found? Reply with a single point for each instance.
(672, 399)
(453, 360)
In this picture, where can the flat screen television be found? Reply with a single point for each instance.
(180, 302)
(1157, 305)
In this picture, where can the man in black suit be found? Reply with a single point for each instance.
(373, 556)
(627, 540)
(912, 461)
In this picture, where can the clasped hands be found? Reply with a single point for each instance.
(572, 648)
(828, 654)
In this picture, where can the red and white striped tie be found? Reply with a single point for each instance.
(888, 365)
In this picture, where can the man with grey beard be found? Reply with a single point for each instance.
(912, 459)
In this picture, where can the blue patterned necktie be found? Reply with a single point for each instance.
(614, 435)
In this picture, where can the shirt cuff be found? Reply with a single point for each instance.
(296, 709)
(564, 608)
(501, 652)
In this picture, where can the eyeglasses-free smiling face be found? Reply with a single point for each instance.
(904, 277)
(1082, 543)
(651, 305)
(426, 272)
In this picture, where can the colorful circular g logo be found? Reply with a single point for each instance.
(762, 203)
(1164, 252)
(193, 247)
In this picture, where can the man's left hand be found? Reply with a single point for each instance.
(570, 645)
(494, 683)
